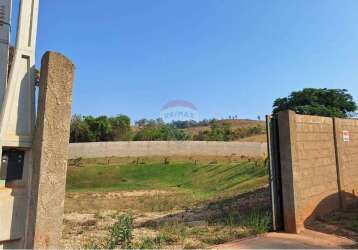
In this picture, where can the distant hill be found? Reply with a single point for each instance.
(235, 124)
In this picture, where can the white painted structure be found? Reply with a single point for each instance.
(17, 118)
(18, 107)
(5, 20)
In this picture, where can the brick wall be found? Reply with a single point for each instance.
(319, 169)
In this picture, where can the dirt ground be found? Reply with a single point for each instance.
(343, 222)
(89, 216)
(305, 240)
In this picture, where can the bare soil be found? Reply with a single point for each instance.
(343, 222)
(89, 216)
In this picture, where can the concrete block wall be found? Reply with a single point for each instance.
(165, 148)
(316, 173)
(347, 153)
(319, 169)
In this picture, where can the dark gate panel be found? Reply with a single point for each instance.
(275, 172)
(12, 164)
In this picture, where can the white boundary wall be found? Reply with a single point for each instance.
(166, 148)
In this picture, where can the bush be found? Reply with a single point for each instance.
(161, 132)
(102, 128)
(120, 235)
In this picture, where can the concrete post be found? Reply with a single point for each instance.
(50, 149)
(339, 162)
(287, 135)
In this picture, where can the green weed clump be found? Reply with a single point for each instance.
(257, 221)
(121, 235)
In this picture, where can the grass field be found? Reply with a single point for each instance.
(188, 203)
(203, 180)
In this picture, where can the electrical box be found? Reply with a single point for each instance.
(12, 164)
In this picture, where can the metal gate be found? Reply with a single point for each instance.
(273, 145)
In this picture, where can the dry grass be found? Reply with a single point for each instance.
(200, 226)
(177, 205)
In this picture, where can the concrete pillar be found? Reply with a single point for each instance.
(339, 160)
(287, 135)
(50, 147)
(346, 146)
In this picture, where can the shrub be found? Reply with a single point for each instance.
(102, 128)
(121, 233)
(159, 132)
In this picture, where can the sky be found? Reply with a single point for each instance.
(227, 57)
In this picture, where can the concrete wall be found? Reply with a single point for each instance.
(347, 158)
(165, 148)
(319, 169)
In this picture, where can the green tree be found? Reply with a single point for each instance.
(80, 131)
(217, 132)
(121, 128)
(159, 132)
(322, 102)
(100, 128)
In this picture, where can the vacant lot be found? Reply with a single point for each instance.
(177, 204)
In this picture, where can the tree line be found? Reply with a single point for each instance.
(118, 128)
